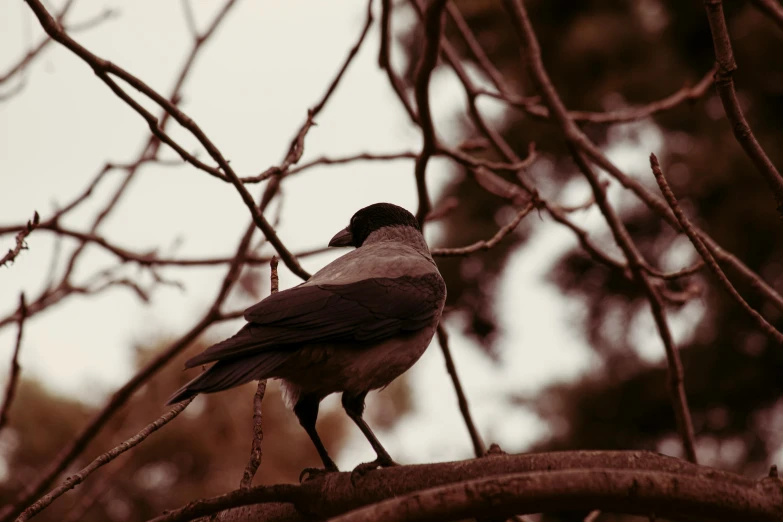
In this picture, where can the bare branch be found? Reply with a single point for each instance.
(475, 437)
(701, 490)
(762, 323)
(296, 149)
(665, 494)
(103, 69)
(433, 28)
(35, 51)
(772, 9)
(256, 450)
(20, 237)
(483, 244)
(573, 136)
(121, 396)
(78, 478)
(13, 372)
(724, 83)
(686, 93)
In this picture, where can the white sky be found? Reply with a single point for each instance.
(249, 92)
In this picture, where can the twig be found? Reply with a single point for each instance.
(20, 237)
(121, 396)
(486, 244)
(104, 69)
(686, 226)
(13, 372)
(384, 61)
(773, 9)
(724, 83)
(573, 135)
(660, 206)
(592, 516)
(433, 28)
(475, 48)
(685, 93)
(76, 479)
(475, 438)
(256, 450)
(35, 51)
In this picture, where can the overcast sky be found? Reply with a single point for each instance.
(249, 92)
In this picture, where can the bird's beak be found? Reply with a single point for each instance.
(342, 239)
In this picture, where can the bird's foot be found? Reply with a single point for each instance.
(362, 469)
(313, 473)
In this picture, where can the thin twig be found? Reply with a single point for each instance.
(76, 479)
(121, 396)
(773, 9)
(475, 438)
(593, 516)
(20, 240)
(686, 226)
(105, 69)
(486, 244)
(724, 83)
(628, 114)
(13, 372)
(256, 450)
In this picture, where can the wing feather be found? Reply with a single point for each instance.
(364, 311)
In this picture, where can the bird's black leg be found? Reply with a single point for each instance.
(306, 410)
(354, 407)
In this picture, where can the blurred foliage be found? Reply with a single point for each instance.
(201, 453)
(605, 54)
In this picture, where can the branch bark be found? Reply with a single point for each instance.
(625, 476)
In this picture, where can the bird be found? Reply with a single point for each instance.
(353, 327)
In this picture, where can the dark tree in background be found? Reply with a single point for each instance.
(603, 55)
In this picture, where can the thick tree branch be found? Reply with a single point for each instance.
(620, 491)
(335, 494)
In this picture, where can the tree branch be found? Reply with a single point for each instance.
(686, 226)
(475, 437)
(484, 245)
(13, 372)
(724, 83)
(20, 237)
(78, 478)
(434, 21)
(573, 135)
(565, 472)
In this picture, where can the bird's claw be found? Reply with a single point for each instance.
(312, 473)
(362, 469)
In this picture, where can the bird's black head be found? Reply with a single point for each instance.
(369, 219)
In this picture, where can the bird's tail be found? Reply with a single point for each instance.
(230, 373)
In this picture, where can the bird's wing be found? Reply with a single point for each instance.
(364, 311)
